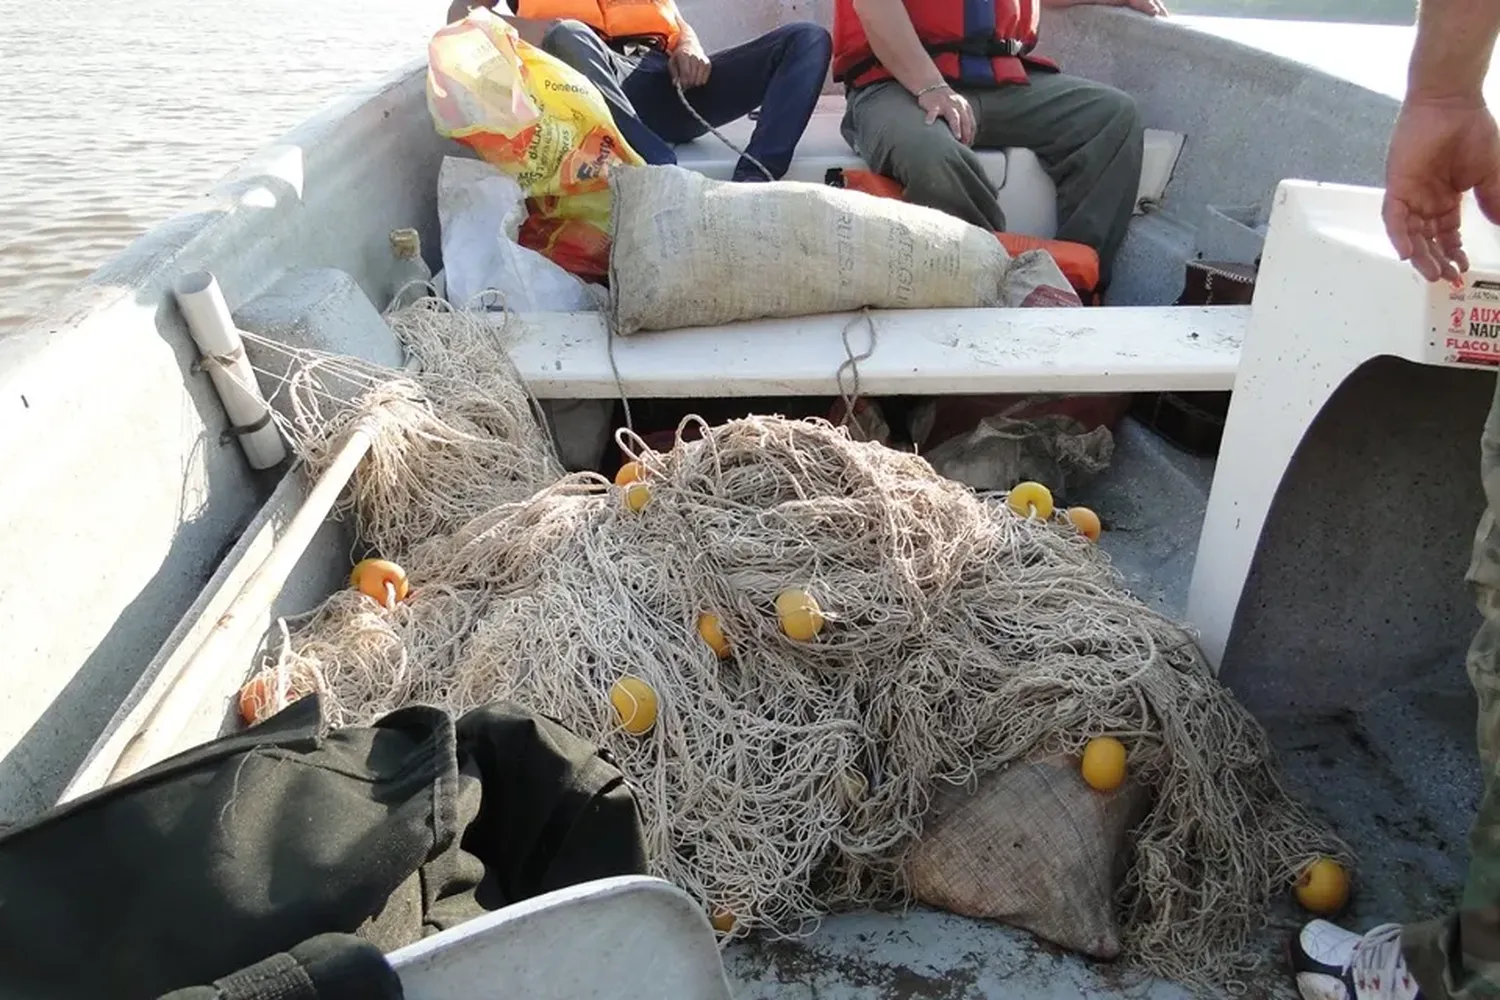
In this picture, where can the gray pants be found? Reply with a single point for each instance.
(1088, 137)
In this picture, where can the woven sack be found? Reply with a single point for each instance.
(1034, 847)
(690, 251)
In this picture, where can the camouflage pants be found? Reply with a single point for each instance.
(1458, 957)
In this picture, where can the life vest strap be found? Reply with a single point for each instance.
(624, 45)
(985, 47)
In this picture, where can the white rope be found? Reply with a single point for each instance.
(682, 96)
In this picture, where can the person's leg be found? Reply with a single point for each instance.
(884, 125)
(576, 44)
(1459, 957)
(1455, 957)
(781, 72)
(1090, 141)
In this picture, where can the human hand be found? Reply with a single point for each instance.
(689, 65)
(1439, 149)
(1151, 8)
(954, 109)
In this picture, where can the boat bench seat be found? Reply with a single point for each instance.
(916, 352)
(1024, 190)
(629, 936)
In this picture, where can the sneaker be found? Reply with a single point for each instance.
(1334, 964)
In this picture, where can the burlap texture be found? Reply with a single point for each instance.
(689, 251)
(1033, 847)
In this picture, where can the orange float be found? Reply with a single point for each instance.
(380, 579)
(1087, 522)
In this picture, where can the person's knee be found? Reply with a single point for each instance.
(570, 40)
(804, 42)
(1117, 113)
(935, 172)
(1128, 113)
(812, 40)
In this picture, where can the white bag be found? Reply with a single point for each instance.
(480, 211)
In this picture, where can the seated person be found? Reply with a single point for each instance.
(636, 52)
(908, 63)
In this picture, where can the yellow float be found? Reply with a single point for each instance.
(1323, 887)
(629, 473)
(1030, 500)
(637, 495)
(1103, 764)
(635, 703)
(799, 614)
(712, 632)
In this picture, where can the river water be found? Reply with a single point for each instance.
(117, 113)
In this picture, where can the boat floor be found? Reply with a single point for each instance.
(1396, 776)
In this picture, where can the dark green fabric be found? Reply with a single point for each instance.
(327, 967)
(247, 846)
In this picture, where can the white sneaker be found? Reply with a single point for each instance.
(1334, 964)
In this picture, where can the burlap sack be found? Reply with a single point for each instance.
(689, 251)
(1033, 847)
(1002, 451)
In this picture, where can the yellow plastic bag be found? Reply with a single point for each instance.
(538, 120)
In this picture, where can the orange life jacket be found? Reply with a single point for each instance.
(655, 21)
(973, 43)
(1078, 263)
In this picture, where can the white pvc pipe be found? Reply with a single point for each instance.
(160, 730)
(207, 315)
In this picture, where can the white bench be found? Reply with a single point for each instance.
(1024, 190)
(617, 937)
(920, 352)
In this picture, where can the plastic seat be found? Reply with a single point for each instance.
(617, 937)
(1330, 297)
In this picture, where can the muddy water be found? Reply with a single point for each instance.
(116, 114)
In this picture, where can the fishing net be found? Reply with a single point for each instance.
(789, 779)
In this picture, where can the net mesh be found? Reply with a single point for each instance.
(788, 779)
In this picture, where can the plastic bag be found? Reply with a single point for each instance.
(537, 120)
(480, 211)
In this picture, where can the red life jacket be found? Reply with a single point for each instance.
(977, 43)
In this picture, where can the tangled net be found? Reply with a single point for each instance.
(788, 780)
